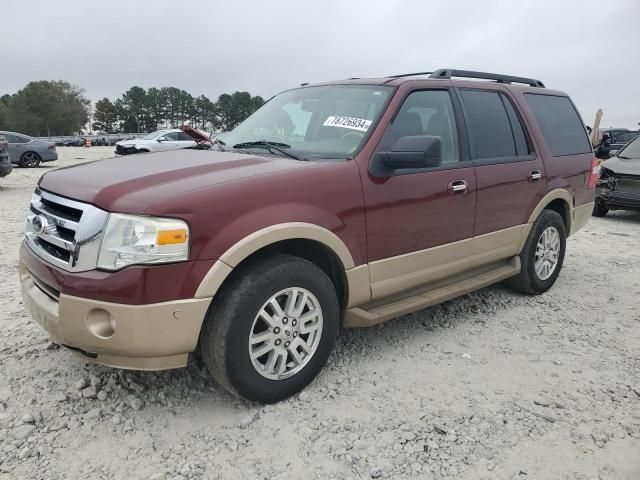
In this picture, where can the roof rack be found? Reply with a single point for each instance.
(415, 74)
(448, 73)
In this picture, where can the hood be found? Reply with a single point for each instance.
(130, 184)
(623, 166)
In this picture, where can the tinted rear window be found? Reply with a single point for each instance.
(489, 124)
(561, 126)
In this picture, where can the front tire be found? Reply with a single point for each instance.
(542, 255)
(30, 160)
(271, 329)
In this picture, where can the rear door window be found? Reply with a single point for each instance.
(12, 138)
(184, 137)
(490, 130)
(560, 123)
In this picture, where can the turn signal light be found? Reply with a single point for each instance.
(171, 237)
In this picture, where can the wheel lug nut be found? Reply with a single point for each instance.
(278, 342)
(294, 322)
(276, 330)
(286, 344)
(285, 320)
(295, 334)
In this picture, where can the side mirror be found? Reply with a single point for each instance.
(613, 153)
(602, 152)
(408, 153)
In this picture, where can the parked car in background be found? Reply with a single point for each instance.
(29, 152)
(613, 139)
(619, 185)
(337, 204)
(160, 141)
(5, 160)
(74, 142)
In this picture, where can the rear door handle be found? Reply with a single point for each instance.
(457, 187)
(534, 175)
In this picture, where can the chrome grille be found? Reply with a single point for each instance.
(65, 232)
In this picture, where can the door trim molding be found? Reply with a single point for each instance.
(396, 274)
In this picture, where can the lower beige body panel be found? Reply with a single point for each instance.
(142, 337)
(581, 215)
(398, 274)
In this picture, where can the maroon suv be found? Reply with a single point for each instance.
(340, 204)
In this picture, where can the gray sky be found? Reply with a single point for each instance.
(590, 49)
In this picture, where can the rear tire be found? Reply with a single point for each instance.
(30, 160)
(542, 255)
(230, 341)
(600, 209)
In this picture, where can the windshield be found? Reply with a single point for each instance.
(631, 150)
(153, 135)
(314, 122)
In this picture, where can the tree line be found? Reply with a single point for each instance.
(51, 108)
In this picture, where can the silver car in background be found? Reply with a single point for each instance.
(29, 152)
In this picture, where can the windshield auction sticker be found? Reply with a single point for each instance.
(359, 124)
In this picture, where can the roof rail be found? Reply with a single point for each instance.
(448, 73)
(415, 74)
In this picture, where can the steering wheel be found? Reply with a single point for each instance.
(357, 135)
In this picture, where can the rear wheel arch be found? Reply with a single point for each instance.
(560, 201)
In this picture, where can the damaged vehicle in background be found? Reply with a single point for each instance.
(613, 139)
(619, 185)
(164, 140)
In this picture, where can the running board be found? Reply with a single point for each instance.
(430, 294)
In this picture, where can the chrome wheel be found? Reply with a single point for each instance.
(285, 333)
(547, 253)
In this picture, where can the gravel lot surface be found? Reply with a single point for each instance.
(494, 385)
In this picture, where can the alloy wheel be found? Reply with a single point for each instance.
(30, 160)
(285, 333)
(547, 253)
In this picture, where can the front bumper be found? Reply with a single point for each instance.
(141, 337)
(618, 200)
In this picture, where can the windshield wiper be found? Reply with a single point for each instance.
(271, 146)
(622, 156)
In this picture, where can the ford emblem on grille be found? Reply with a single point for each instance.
(41, 225)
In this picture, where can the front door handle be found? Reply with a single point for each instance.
(534, 175)
(457, 187)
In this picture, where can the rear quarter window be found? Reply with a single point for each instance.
(560, 123)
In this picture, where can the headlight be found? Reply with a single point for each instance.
(131, 239)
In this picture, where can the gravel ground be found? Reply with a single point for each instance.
(494, 385)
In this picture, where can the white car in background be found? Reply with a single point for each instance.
(160, 141)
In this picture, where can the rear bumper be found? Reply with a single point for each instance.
(49, 156)
(141, 337)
